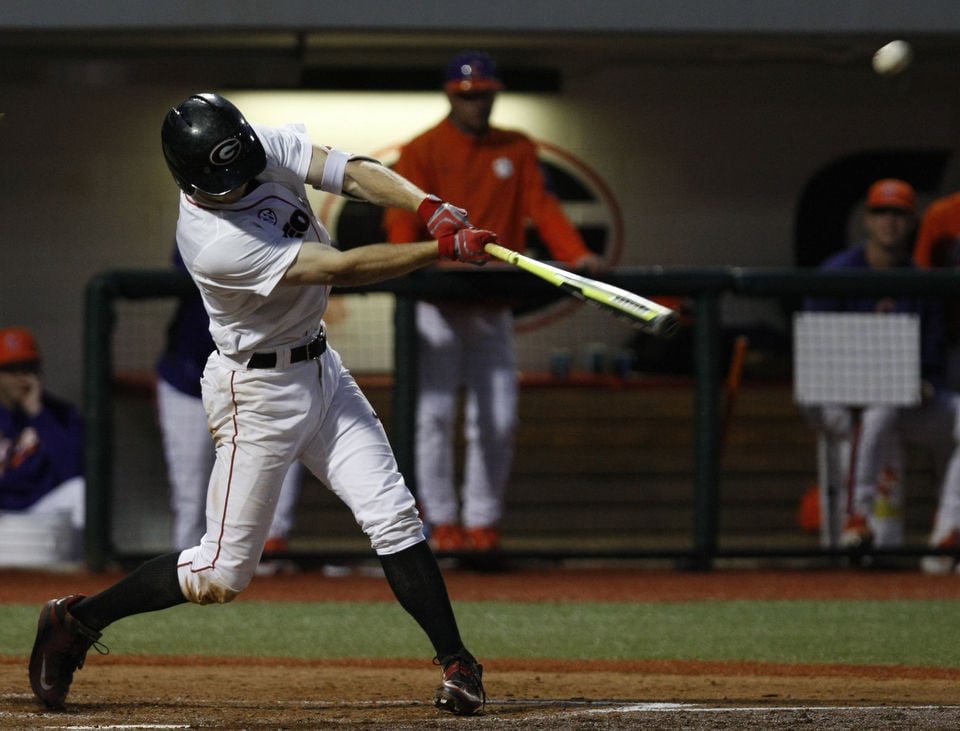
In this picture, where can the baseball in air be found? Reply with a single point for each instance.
(892, 58)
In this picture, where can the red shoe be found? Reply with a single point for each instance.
(270, 565)
(856, 533)
(275, 545)
(447, 537)
(59, 650)
(461, 689)
(483, 539)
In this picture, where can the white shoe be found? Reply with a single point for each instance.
(938, 565)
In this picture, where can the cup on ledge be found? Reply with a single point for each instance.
(561, 361)
(596, 358)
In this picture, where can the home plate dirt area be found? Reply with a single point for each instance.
(259, 693)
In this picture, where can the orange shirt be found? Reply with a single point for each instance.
(938, 245)
(938, 241)
(496, 177)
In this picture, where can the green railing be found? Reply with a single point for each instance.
(704, 287)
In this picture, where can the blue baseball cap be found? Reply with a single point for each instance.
(472, 71)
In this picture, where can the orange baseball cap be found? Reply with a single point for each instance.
(17, 345)
(892, 193)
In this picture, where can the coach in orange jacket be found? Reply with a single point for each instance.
(938, 245)
(494, 173)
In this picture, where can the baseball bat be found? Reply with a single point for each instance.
(640, 312)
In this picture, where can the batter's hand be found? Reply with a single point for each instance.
(467, 245)
(442, 218)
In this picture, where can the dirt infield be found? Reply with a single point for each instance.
(255, 693)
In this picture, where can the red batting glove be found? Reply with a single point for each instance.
(442, 218)
(467, 245)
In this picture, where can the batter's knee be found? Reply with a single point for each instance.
(403, 531)
(212, 584)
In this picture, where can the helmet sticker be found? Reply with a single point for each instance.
(225, 152)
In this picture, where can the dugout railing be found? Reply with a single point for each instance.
(703, 287)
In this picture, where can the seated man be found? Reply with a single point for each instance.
(875, 504)
(41, 437)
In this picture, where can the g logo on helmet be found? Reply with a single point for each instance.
(225, 152)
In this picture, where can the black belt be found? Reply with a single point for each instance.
(311, 351)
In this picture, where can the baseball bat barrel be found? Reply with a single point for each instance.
(642, 313)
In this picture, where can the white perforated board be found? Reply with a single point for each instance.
(856, 358)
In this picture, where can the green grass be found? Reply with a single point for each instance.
(849, 632)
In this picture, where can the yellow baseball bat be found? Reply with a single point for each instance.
(640, 312)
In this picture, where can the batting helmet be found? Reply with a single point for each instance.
(472, 71)
(209, 146)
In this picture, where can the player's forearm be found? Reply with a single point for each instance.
(380, 185)
(359, 266)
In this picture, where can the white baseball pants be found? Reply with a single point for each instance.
(469, 347)
(933, 425)
(262, 421)
(189, 454)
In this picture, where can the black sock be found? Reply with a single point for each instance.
(153, 585)
(415, 578)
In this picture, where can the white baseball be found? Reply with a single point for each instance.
(892, 58)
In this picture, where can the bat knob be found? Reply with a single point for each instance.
(668, 325)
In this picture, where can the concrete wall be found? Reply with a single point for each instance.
(541, 15)
(707, 160)
(709, 124)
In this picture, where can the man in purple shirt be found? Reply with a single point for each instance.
(41, 437)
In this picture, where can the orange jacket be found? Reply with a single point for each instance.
(938, 245)
(496, 177)
(938, 241)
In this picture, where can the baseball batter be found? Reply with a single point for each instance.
(274, 391)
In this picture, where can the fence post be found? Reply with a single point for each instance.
(98, 454)
(405, 387)
(706, 491)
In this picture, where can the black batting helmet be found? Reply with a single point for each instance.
(209, 146)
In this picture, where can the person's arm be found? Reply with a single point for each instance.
(368, 180)
(560, 235)
(62, 437)
(318, 263)
(402, 226)
(55, 453)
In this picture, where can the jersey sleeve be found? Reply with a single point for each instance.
(288, 148)
(249, 265)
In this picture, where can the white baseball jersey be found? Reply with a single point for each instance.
(237, 253)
